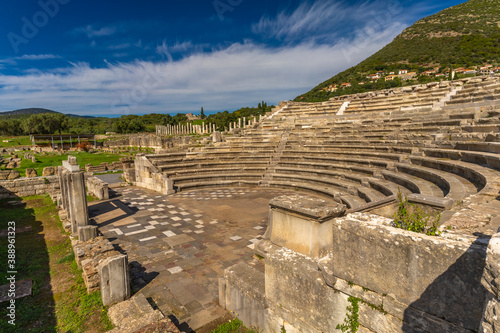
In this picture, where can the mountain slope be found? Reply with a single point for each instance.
(465, 35)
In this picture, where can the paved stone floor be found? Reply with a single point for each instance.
(179, 245)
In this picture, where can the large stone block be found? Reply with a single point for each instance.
(294, 284)
(48, 171)
(303, 224)
(435, 275)
(87, 233)
(30, 173)
(115, 279)
(13, 174)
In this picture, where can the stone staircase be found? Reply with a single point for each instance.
(442, 102)
(344, 107)
(275, 159)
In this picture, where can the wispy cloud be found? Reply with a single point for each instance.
(30, 57)
(92, 31)
(305, 19)
(37, 57)
(327, 21)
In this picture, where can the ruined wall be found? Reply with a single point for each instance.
(97, 188)
(400, 281)
(29, 186)
(148, 141)
(147, 176)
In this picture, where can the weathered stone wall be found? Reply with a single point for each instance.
(29, 186)
(425, 283)
(491, 281)
(401, 281)
(97, 188)
(148, 141)
(147, 176)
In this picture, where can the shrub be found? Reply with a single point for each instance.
(413, 218)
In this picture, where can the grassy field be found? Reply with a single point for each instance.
(59, 301)
(15, 141)
(82, 158)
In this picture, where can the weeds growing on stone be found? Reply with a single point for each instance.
(233, 326)
(413, 218)
(351, 321)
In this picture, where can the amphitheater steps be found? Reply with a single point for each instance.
(268, 176)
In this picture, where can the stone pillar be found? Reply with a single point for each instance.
(244, 122)
(78, 197)
(239, 122)
(115, 279)
(303, 224)
(214, 128)
(216, 137)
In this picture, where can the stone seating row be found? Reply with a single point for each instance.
(453, 186)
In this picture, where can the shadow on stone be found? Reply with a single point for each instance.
(449, 304)
(138, 276)
(183, 327)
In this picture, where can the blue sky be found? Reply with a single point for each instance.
(129, 57)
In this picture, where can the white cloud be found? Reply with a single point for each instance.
(326, 21)
(239, 75)
(92, 32)
(12, 60)
(37, 57)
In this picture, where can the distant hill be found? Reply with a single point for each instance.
(465, 38)
(22, 113)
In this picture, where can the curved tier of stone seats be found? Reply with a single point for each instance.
(477, 90)
(453, 186)
(214, 167)
(398, 100)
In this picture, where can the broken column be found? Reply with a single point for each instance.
(87, 233)
(115, 279)
(73, 188)
(216, 137)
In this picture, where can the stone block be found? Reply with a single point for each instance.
(437, 276)
(216, 137)
(303, 224)
(72, 160)
(30, 173)
(12, 165)
(115, 279)
(48, 171)
(13, 174)
(294, 284)
(87, 233)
